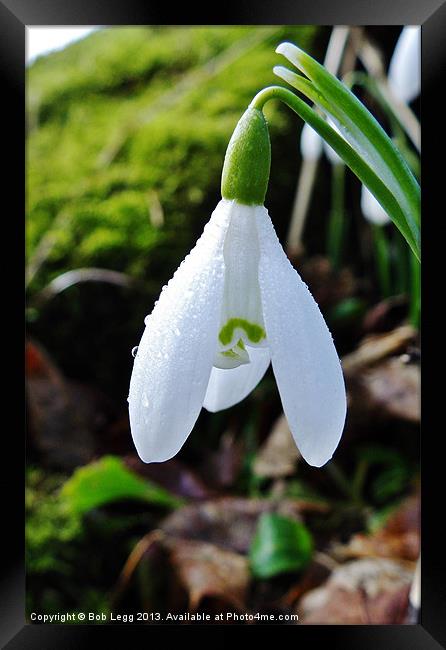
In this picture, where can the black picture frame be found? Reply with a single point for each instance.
(15, 15)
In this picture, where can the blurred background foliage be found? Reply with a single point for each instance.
(127, 131)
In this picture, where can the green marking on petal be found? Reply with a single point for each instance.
(234, 353)
(231, 354)
(237, 356)
(255, 333)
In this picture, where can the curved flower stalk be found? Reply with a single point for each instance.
(234, 305)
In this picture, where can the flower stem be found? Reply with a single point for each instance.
(382, 258)
(415, 292)
(336, 226)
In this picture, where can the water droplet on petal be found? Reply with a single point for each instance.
(134, 351)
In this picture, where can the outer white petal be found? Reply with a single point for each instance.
(174, 359)
(229, 387)
(371, 209)
(304, 359)
(404, 69)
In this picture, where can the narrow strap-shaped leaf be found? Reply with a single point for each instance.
(357, 125)
(352, 158)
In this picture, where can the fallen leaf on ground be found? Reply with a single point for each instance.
(230, 522)
(386, 315)
(377, 347)
(394, 388)
(399, 537)
(206, 570)
(382, 387)
(363, 592)
(63, 416)
(278, 455)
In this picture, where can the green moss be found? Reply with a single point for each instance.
(51, 528)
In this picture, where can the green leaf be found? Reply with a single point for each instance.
(380, 455)
(279, 545)
(364, 134)
(378, 518)
(347, 311)
(352, 158)
(108, 480)
(356, 122)
(395, 476)
(390, 482)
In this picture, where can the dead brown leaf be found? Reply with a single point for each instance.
(386, 315)
(278, 455)
(205, 570)
(230, 522)
(381, 386)
(394, 388)
(379, 346)
(399, 538)
(363, 592)
(62, 415)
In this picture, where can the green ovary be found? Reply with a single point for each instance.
(255, 333)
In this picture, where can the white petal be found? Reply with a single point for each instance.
(371, 209)
(174, 359)
(241, 314)
(304, 359)
(404, 69)
(310, 143)
(233, 358)
(331, 154)
(229, 387)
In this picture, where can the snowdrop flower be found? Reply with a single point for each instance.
(331, 154)
(404, 69)
(404, 81)
(234, 305)
(312, 145)
(372, 209)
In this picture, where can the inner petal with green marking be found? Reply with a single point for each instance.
(236, 356)
(241, 320)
